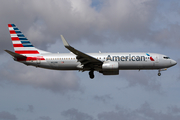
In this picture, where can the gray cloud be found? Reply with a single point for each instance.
(145, 112)
(44, 118)
(173, 109)
(7, 116)
(19, 109)
(74, 114)
(117, 19)
(168, 36)
(30, 108)
(129, 19)
(103, 98)
(147, 81)
(55, 81)
(178, 63)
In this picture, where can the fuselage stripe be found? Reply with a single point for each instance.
(27, 52)
(31, 59)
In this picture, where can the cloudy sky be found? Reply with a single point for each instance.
(29, 93)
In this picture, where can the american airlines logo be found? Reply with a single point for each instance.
(129, 58)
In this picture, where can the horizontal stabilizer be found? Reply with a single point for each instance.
(16, 55)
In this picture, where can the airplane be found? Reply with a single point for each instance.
(105, 63)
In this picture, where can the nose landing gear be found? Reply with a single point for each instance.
(91, 74)
(159, 74)
(159, 71)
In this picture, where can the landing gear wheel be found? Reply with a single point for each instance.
(159, 74)
(91, 74)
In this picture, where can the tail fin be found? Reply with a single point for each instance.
(20, 43)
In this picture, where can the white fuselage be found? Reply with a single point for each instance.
(126, 61)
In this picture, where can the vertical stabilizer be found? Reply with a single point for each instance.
(21, 44)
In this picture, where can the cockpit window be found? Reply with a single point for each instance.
(166, 57)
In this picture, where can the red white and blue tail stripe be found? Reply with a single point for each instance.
(21, 44)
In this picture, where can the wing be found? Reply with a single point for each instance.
(85, 59)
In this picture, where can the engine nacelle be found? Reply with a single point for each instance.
(110, 68)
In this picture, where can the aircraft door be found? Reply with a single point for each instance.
(157, 59)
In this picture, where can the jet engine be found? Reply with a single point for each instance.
(110, 68)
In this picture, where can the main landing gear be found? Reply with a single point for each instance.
(91, 74)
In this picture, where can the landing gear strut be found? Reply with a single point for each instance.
(91, 74)
(159, 72)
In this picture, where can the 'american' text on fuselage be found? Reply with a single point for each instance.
(126, 58)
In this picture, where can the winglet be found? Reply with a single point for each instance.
(64, 41)
(85, 58)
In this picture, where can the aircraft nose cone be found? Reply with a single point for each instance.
(173, 62)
